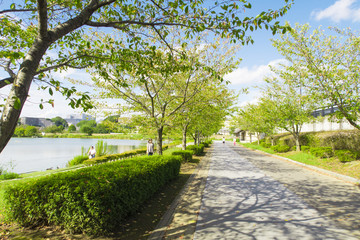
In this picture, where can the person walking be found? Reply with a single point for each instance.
(234, 140)
(224, 140)
(150, 148)
(92, 152)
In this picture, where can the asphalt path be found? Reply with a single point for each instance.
(249, 195)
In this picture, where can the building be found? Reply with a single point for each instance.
(37, 122)
(74, 119)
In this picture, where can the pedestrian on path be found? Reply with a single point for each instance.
(234, 140)
(223, 140)
(150, 147)
(92, 152)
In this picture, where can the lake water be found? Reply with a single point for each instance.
(23, 155)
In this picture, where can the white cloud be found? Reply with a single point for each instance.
(254, 74)
(340, 10)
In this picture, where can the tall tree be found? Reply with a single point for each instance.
(257, 119)
(206, 112)
(286, 100)
(47, 28)
(331, 64)
(159, 85)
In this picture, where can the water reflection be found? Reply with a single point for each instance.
(37, 154)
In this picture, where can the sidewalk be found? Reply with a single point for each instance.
(253, 196)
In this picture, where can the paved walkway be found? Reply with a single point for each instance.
(249, 195)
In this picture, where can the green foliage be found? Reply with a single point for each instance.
(58, 121)
(265, 145)
(305, 148)
(92, 200)
(8, 175)
(322, 152)
(89, 123)
(207, 143)
(345, 155)
(101, 128)
(72, 128)
(186, 155)
(280, 148)
(328, 59)
(54, 129)
(87, 129)
(77, 160)
(101, 148)
(26, 131)
(113, 157)
(197, 150)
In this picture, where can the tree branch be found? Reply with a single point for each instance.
(42, 17)
(6, 81)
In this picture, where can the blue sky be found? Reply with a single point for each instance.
(256, 57)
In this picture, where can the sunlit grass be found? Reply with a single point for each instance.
(351, 169)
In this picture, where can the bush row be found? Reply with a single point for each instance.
(337, 140)
(192, 150)
(90, 200)
(285, 143)
(198, 150)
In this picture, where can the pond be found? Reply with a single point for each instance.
(23, 155)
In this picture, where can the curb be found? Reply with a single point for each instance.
(169, 226)
(310, 167)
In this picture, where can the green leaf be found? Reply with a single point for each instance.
(17, 103)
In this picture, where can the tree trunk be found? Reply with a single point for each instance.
(160, 139)
(297, 141)
(184, 138)
(22, 82)
(19, 91)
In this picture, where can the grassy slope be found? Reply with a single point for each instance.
(351, 169)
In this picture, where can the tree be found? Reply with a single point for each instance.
(59, 30)
(286, 101)
(331, 65)
(206, 112)
(54, 129)
(89, 123)
(257, 119)
(158, 84)
(72, 128)
(59, 121)
(87, 129)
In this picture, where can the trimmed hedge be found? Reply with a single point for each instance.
(322, 152)
(207, 143)
(198, 150)
(185, 154)
(92, 200)
(305, 148)
(345, 155)
(280, 148)
(265, 145)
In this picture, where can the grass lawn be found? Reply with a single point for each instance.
(138, 226)
(351, 169)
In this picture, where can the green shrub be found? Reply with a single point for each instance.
(280, 148)
(345, 155)
(265, 145)
(322, 152)
(77, 160)
(8, 175)
(92, 200)
(305, 148)
(116, 156)
(185, 154)
(197, 150)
